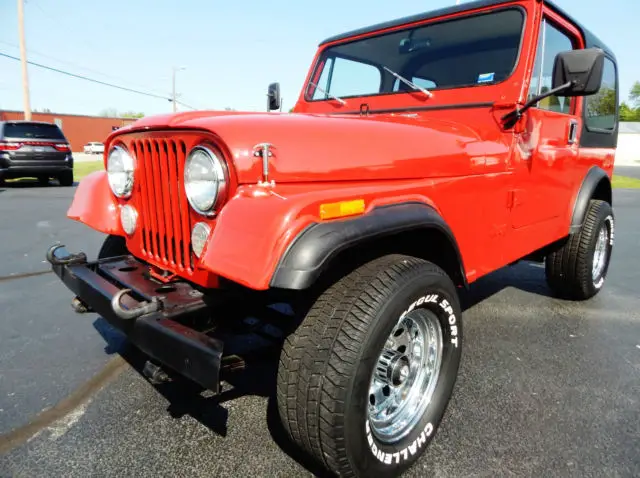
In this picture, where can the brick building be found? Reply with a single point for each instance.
(78, 129)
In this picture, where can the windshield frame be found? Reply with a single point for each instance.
(323, 55)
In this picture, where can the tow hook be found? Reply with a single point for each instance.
(79, 306)
(69, 259)
(131, 314)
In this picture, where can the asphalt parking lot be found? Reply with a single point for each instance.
(546, 388)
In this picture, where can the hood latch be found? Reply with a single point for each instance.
(264, 151)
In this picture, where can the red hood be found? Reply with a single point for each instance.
(339, 148)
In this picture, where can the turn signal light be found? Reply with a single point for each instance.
(341, 209)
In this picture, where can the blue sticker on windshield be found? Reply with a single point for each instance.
(486, 77)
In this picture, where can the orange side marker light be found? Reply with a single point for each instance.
(341, 209)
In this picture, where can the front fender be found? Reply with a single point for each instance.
(256, 227)
(94, 205)
(249, 237)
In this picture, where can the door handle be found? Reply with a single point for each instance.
(573, 131)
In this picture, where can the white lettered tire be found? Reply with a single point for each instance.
(364, 382)
(578, 269)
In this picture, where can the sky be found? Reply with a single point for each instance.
(230, 50)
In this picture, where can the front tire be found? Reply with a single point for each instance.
(365, 380)
(579, 268)
(113, 246)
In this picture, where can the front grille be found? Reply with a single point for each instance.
(164, 208)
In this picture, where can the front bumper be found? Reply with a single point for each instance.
(120, 290)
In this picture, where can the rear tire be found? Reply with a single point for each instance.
(579, 268)
(356, 351)
(113, 246)
(66, 178)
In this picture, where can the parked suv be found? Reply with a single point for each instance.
(35, 149)
(421, 155)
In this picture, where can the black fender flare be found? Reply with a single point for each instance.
(313, 249)
(587, 190)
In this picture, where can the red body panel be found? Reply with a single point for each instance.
(94, 205)
(504, 193)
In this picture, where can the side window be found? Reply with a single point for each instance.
(551, 42)
(343, 78)
(601, 107)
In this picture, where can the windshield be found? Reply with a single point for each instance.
(472, 51)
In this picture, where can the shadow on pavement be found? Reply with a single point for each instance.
(260, 375)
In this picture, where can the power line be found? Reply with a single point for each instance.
(81, 77)
(66, 62)
(185, 105)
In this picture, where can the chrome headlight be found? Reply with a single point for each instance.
(120, 171)
(205, 181)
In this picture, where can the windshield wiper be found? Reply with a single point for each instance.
(328, 95)
(409, 83)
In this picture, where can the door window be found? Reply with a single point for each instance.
(550, 42)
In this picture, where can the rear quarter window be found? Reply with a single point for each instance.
(602, 107)
(33, 131)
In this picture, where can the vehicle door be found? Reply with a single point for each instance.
(548, 142)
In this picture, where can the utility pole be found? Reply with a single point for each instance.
(173, 86)
(23, 60)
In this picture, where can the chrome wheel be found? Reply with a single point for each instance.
(405, 376)
(600, 253)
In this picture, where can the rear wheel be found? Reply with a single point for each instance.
(578, 270)
(66, 178)
(364, 381)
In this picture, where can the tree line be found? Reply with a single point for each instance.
(631, 111)
(603, 103)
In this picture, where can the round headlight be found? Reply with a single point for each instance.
(128, 218)
(199, 235)
(204, 179)
(120, 171)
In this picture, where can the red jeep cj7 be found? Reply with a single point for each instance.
(422, 154)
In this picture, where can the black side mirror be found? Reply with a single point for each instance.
(582, 68)
(273, 97)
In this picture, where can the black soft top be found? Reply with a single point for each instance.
(591, 40)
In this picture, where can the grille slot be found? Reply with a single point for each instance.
(164, 208)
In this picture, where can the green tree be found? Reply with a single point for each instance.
(131, 114)
(629, 114)
(602, 103)
(634, 95)
(113, 113)
(109, 112)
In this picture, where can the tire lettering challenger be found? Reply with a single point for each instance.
(404, 454)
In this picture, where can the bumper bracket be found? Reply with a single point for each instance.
(152, 315)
